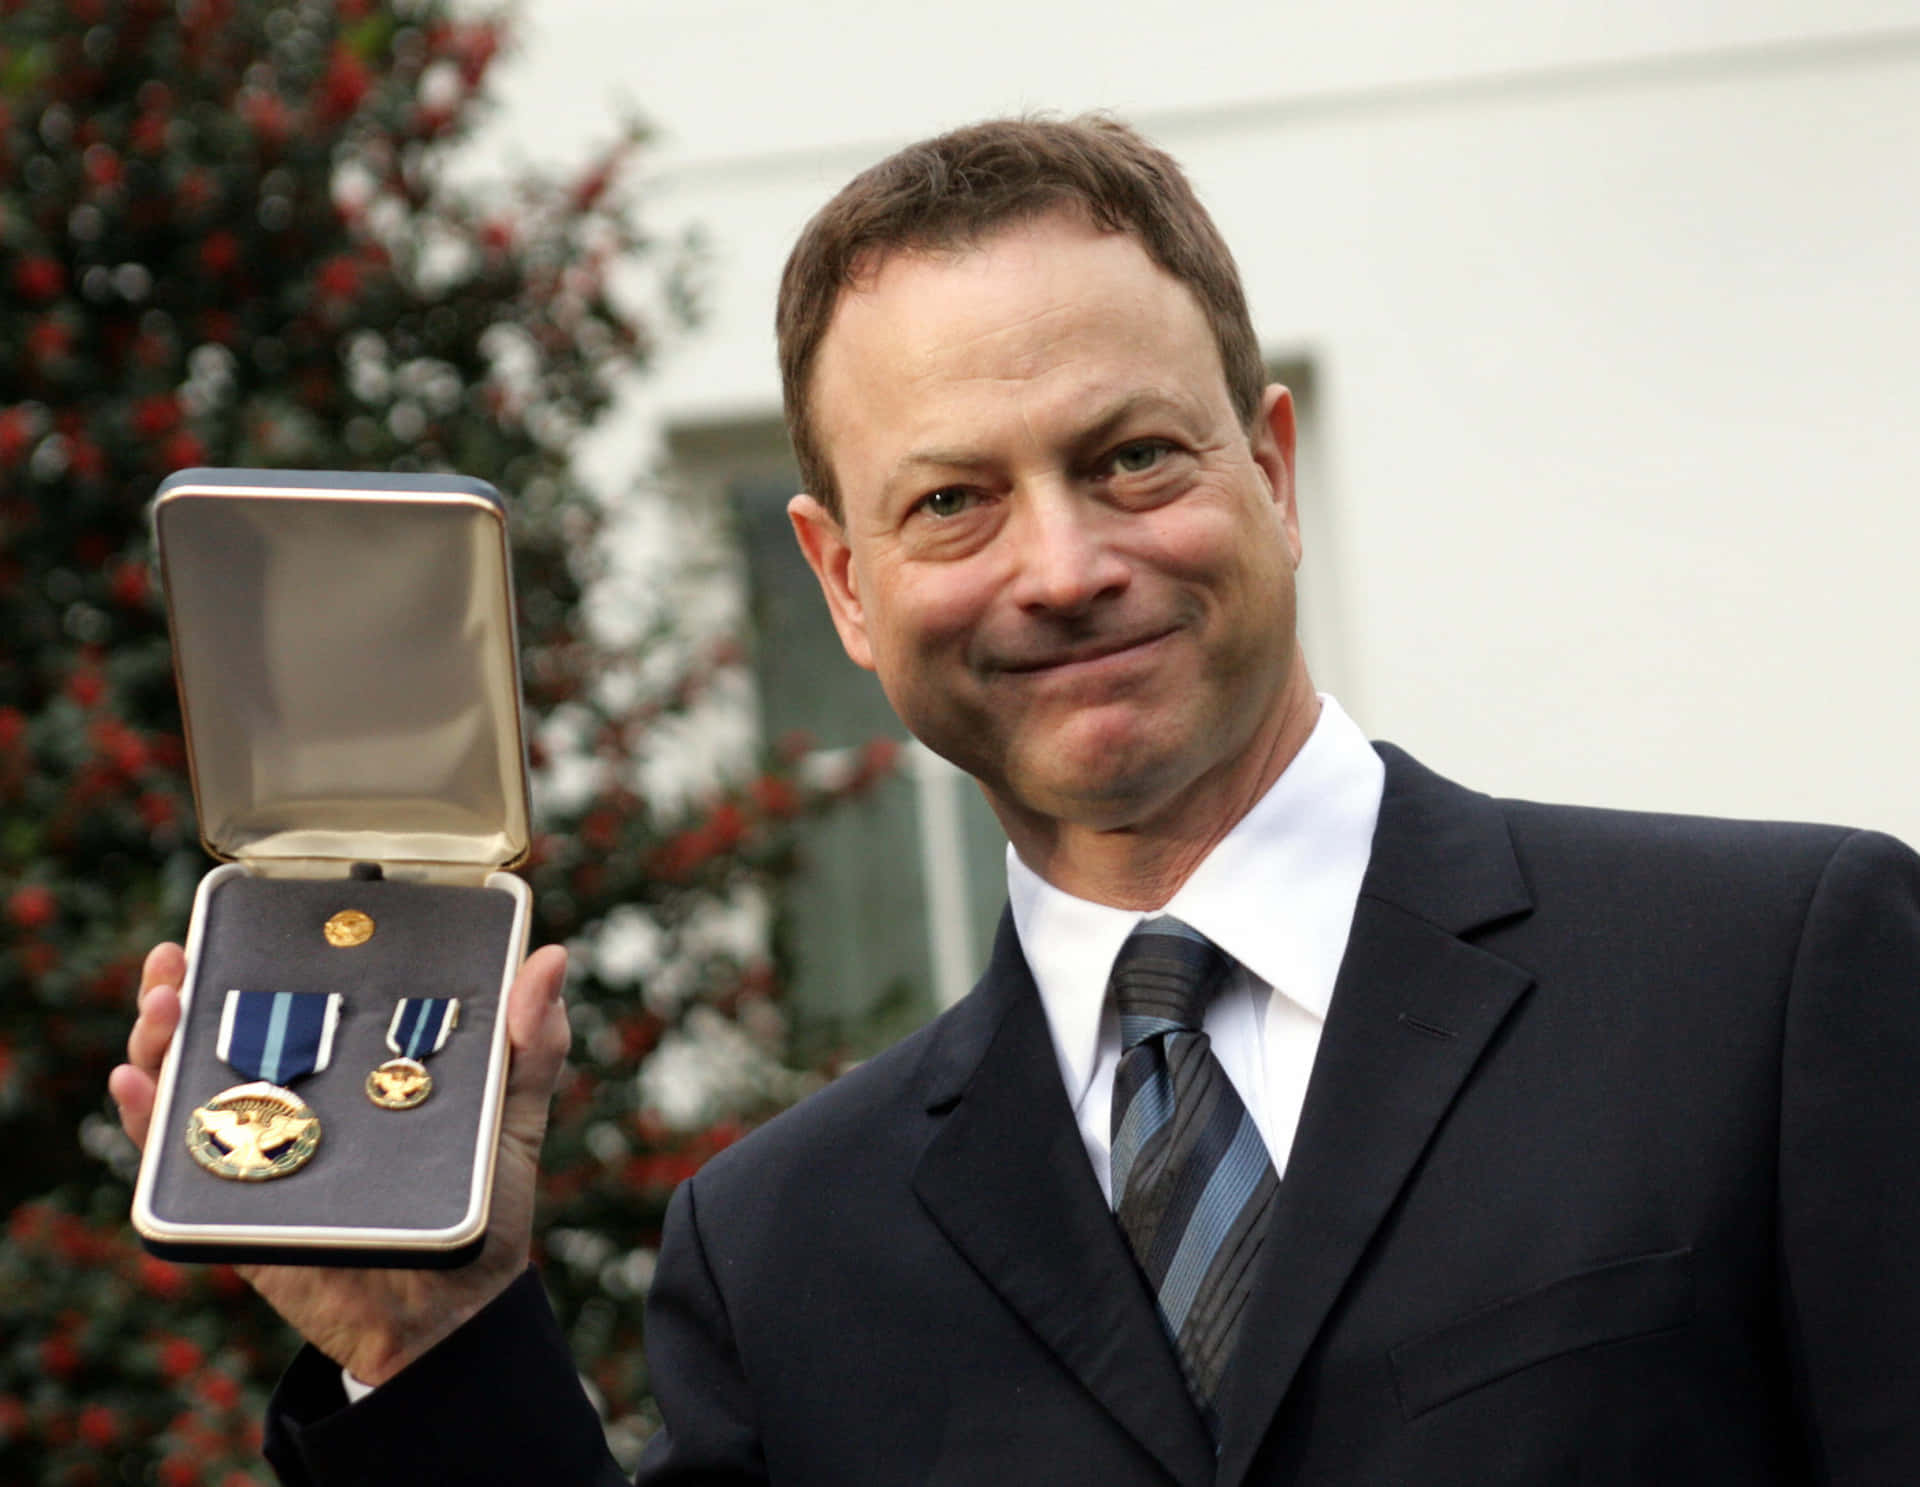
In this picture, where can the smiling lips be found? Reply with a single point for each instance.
(1080, 655)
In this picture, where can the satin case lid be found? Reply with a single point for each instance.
(344, 646)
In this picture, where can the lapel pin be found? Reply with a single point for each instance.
(348, 928)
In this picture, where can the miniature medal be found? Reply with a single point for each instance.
(259, 1131)
(348, 928)
(420, 1028)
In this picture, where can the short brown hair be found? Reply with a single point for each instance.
(957, 188)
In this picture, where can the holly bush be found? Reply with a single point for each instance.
(229, 236)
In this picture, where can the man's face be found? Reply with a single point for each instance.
(1068, 562)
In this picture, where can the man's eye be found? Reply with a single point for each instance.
(1140, 456)
(948, 502)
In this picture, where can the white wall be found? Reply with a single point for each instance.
(1612, 310)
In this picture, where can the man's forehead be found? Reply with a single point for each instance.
(962, 242)
(933, 303)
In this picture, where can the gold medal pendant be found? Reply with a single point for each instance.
(348, 928)
(399, 1084)
(253, 1133)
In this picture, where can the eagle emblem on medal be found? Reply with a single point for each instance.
(399, 1084)
(253, 1133)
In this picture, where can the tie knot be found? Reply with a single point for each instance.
(1163, 978)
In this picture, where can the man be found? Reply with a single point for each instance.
(1523, 1144)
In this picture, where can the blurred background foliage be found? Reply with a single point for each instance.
(229, 236)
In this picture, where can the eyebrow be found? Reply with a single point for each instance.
(1124, 410)
(1106, 422)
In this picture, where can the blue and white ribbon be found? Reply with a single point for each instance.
(421, 1025)
(278, 1036)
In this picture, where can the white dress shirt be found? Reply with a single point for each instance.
(1277, 894)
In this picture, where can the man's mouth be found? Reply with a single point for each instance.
(1062, 657)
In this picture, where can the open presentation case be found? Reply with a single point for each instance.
(344, 648)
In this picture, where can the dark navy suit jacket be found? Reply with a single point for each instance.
(1603, 1177)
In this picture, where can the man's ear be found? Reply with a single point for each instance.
(1273, 451)
(824, 542)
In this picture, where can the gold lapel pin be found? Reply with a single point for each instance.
(348, 928)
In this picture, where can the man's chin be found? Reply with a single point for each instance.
(1099, 789)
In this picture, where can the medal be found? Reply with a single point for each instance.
(420, 1028)
(348, 928)
(253, 1132)
(259, 1131)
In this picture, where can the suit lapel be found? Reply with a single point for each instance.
(1413, 1010)
(1006, 1178)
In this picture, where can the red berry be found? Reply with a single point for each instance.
(775, 796)
(148, 135)
(99, 1426)
(102, 166)
(178, 1358)
(161, 1278)
(59, 1356)
(16, 435)
(219, 1390)
(219, 252)
(33, 906)
(39, 278)
(346, 83)
(180, 1470)
(156, 415)
(86, 459)
(182, 450)
(338, 278)
(129, 584)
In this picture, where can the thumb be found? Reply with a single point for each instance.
(539, 1036)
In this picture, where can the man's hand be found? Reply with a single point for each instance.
(376, 1322)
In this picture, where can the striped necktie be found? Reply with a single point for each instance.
(1192, 1184)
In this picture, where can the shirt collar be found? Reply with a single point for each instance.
(1277, 894)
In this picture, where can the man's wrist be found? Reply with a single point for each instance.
(376, 1355)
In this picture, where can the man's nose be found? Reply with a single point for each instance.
(1066, 552)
